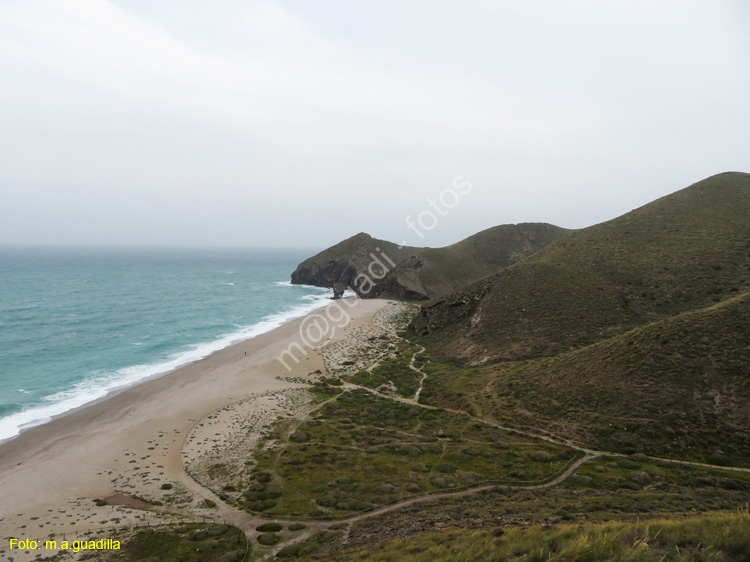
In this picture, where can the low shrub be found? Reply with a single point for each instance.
(268, 539)
(640, 477)
(264, 477)
(541, 456)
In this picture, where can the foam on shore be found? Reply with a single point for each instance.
(101, 384)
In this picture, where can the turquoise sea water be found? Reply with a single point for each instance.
(76, 324)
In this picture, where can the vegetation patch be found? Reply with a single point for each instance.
(670, 389)
(599, 491)
(393, 373)
(268, 539)
(722, 537)
(361, 451)
(179, 543)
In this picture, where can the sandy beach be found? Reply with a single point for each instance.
(137, 441)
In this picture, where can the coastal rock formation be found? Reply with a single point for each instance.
(338, 290)
(343, 262)
(378, 268)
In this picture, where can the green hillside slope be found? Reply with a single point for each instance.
(720, 537)
(679, 387)
(685, 251)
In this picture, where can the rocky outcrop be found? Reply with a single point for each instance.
(345, 261)
(377, 268)
(338, 290)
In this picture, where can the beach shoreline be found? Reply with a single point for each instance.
(164, 366)
(50, 473)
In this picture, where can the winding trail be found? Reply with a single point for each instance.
(430, 497)
(415, 369)
(247, 522)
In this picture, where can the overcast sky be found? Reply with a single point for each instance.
(298, 123)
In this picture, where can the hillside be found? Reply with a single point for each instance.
(686, 251)
(342, 262)
(678, 387)
(423, 273)
(719, 537)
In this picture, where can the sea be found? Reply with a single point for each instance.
(79, 323)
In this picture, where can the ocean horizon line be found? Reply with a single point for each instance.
(101, 386)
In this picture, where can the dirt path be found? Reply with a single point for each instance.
(549, 438)
(415, 369)
(248, 522)
(430, 497)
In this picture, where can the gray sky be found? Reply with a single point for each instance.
(298, 123)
